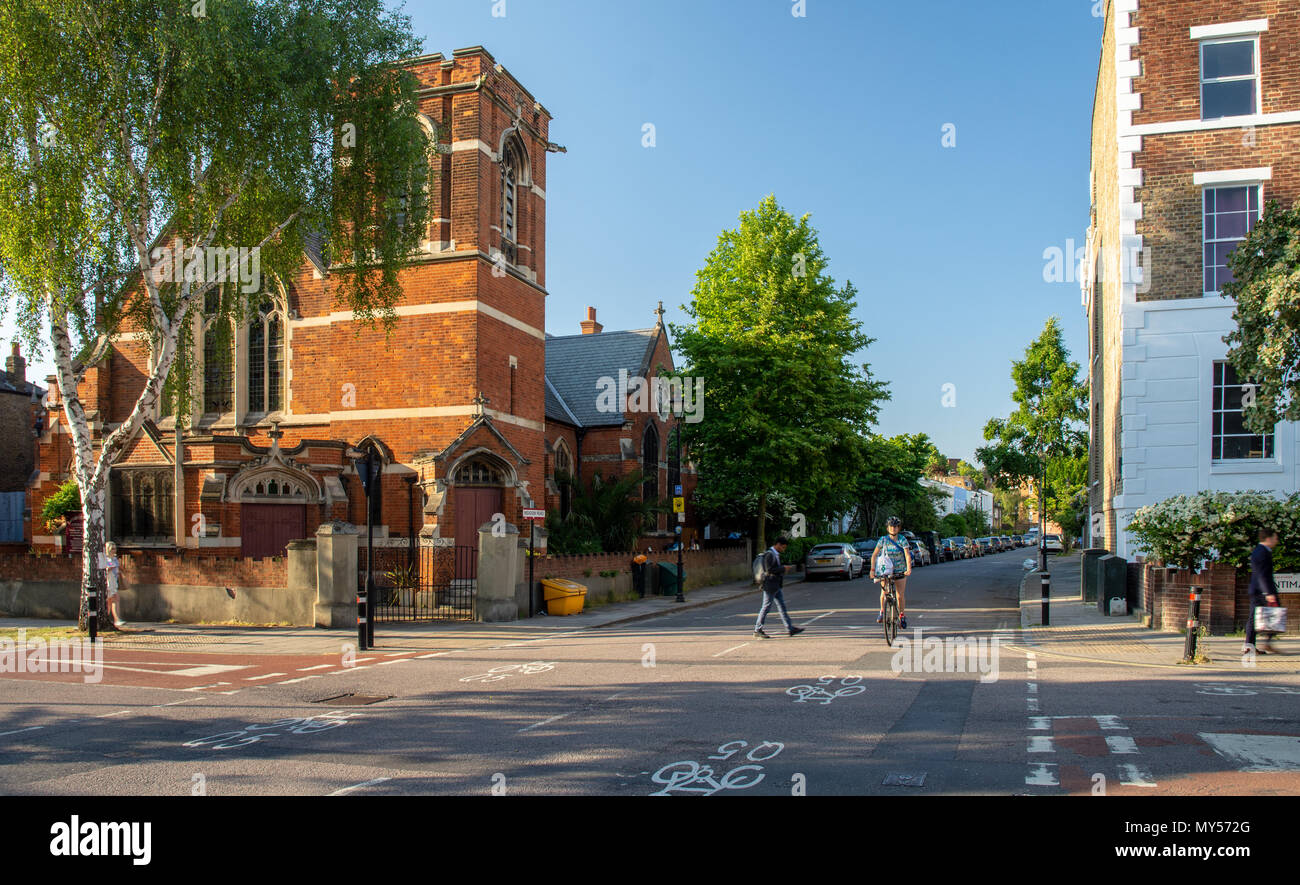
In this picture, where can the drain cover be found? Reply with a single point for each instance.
(354, 700)
(905, 780)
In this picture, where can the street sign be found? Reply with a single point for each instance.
(677, 490)
(681, 517)
(534, 514)
(679, 530)
(679, 505)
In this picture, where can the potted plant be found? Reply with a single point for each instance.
(402, 581)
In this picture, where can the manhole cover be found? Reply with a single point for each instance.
(905, 780)
(354, 700)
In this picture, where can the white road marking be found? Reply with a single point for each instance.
(110, 715)
(1039, 743)
(1131, 775)
(733, 648)
(1122, 744)
(818, 618)
(1031, 704)
(386, 663)
(1031, 664)
(545, 722)
(1108, 723)
(21, 730)
(1033, 687)
(346, 790)
(174, 703)
(1042, 774)
(266, 676)
(1040, 723)
(299, 679)
(1257, 752)
(317, 667)
(361, 660)
(436, 654)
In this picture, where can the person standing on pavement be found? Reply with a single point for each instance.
(112, 572)
(773, 578)
(1263, 590)
(895, 548)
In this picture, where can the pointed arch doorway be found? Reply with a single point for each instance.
(479, 493)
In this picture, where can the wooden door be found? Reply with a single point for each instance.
(474, 506)
(266, 529)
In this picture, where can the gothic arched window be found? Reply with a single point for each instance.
(512, 177)
(218, 368)
(479, 472)
(564, 477)
(266, 360)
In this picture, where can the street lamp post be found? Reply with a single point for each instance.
(681, 535)
(367, 466)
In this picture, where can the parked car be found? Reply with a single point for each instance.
(1008, 543)
(920, 555)
(838, 559)
(948, 550)
(963, 547)
(1052, 544)
(865, 546)
(985, 545)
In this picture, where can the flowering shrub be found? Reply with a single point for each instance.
(1189, 530)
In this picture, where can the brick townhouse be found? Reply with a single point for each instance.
(21, 419)
(458, 398)
(1196, 126)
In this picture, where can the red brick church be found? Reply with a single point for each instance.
(472, 405)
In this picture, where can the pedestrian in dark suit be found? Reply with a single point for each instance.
(773, 579)
(1263, 590)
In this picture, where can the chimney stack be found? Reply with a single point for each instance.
(17, 366)
(589, 325)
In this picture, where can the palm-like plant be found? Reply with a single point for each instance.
(608, 513)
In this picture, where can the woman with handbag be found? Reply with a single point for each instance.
(1263, 595)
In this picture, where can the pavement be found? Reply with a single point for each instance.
(430, 636)
(1079, 631)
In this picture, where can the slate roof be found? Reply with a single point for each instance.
(10, 384)
(574, 363)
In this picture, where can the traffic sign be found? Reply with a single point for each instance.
(534, 514)
(679, 505)
(677, 490)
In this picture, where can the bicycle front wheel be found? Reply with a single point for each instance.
(891, 621)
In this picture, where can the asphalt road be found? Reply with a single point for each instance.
(685, 703)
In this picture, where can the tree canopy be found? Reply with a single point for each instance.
(786, 409)
(1265, 346)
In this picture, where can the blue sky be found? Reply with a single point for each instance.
(839, 114)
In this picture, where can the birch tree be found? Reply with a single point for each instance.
(144, 143)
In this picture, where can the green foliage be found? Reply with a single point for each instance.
(888, 484)
(63, 502)
(798, 549)
(1046, 430)
(1265, 346)
(1217, 526)
(953, 526)
(607, 516)
(785, 407)
(976, 521)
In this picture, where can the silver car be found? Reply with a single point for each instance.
(836, 559)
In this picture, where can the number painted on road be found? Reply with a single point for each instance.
(695, 777)
(253, 733)
(825, 691)
(496, 674)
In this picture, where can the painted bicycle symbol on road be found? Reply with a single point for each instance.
(825, 691)
(252, 734)
(702, 779)
(496, 674)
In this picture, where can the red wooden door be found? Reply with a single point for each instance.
(266, 529)
(474, 506)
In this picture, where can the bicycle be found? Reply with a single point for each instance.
(891, 619)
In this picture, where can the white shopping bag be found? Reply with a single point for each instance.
(1270, 619)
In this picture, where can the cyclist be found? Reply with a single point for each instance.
(895, 548)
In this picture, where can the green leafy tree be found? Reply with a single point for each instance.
(976, 520)
(1265, 346)
(786, 410)
(953, 526)
(1047, 426)
(129, 125)
(888, 484)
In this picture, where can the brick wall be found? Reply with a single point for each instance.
(148, 567)
(1225, 603)
(574, 568)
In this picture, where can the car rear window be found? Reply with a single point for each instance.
(828, 548)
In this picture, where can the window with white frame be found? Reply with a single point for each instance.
(1230, 439)
(1230, 214)
(1229, 78)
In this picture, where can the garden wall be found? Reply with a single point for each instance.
(181, 586)
(704, 568)
(1225, 600)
